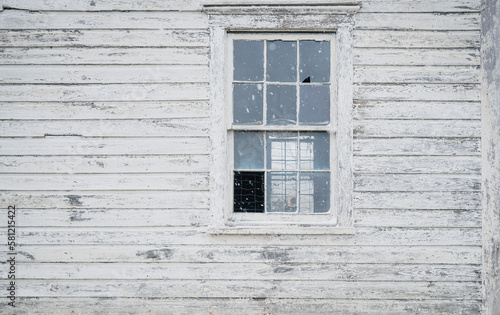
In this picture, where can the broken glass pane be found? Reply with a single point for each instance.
(314, 61)
(248, 60)
(248, 150)
(314, 105)
(248, 191)
(314, 151)
(282, 192)
(282, 150)
(281, 61)
(314, 192)
(247, 100)
(281, 104)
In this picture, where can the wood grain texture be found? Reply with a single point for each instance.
(370, 109)
(417, 164)
(418, 21)
(417, 128)
(417, 146)
(416, 57)
(416, 39)
(416, 74)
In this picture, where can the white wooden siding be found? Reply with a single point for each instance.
(104, 150)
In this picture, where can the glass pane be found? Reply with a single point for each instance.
(314, 61)
(314, 151)
(248, 150)
(248, 60)
(314, 105)
(281, 104)
(282, 61)
(314, 192)
(248, 191)
(282, 150)
(247, 100)
(282, 192)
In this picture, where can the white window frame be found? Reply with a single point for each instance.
(335, 20)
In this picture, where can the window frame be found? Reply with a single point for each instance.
(336, 20)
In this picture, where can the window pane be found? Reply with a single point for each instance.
(247, 104)
(281, 61)
(314, 192)
(248, 150)
(314, 151)
(248, 191)
(282, 150)
(314, 61)
(281, 104)
(282, 192)
(314, 105)
(248, 60)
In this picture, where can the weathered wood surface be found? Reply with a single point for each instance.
(189, 236)
(418, 21)
(417, 146)
(246, 306)
(418, 200)
(88, 74)
(417, 218)
(104, 38)
(73, 145)
(417, 164)
(369, 109)
(414, 57)
(415, 128)
(247, 271)
(97, 56)
(416, 74)
(195, 127)
(189, 5)
(372, 254)
(416, 39)
(251, 288)
(104, 164)
(104, 110)
(418, 92)
(416, 182)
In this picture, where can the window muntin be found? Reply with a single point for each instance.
(282, 120)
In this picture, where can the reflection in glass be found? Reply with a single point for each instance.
(314, 151)
(281, 61)
(248, 60)
(248, 150)
(249, 192)
(314, 192)
(314, 61)
(282, 192)
(282, 150)
(314, 105)
(247, 100)
(281, 104)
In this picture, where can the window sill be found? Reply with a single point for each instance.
(282, 230)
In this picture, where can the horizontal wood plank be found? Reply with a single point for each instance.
(78, 74)
(104, 38)
(246, 271)
(416, 128)
(108, 92)
(249, 306)
(418, 92)
(417, 164)
(416, 57)
(417, 146)
(18, 19)
(106, 128)
(102, 164)
(81, 146)
(104, 56)
(417, 182)
(94, 182)
(417, 110)
(372, 254)
(418, 200)
(104, 110)
(416, 39)
(199, 236)
(417, 218)
(418, 21)
(416, 74)
(258, 289)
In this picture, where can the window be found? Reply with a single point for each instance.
(282, 117)
(281, 84)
